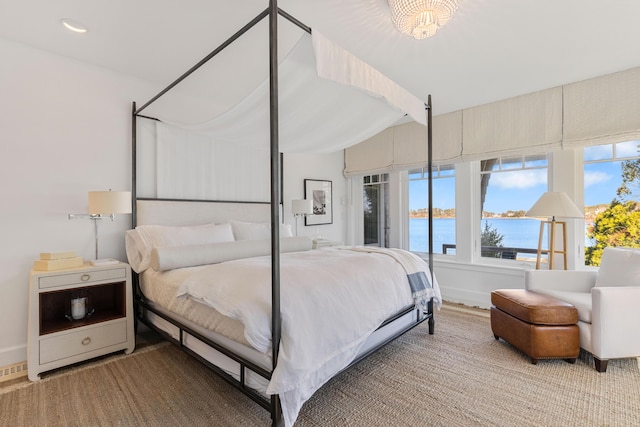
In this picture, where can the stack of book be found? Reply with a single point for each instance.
(50, 261)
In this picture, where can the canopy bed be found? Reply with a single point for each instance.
(226, 280)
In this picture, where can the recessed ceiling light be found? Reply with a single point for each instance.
(72, 25)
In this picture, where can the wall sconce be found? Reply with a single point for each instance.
(302, 207)
(105, 204)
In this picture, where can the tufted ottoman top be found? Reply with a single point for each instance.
(534, 308)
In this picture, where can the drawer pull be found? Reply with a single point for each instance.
(85, 277)
(86, 341)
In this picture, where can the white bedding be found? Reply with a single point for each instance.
(162, 287)
(328, 310)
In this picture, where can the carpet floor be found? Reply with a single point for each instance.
(461, 376)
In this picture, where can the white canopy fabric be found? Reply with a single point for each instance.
(328, 100)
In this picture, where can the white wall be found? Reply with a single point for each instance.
(471, 284)
(297, 168)
(65, 130)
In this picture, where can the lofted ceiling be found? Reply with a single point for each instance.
(490, 50)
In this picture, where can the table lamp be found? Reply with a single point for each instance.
(301, 207)
(105, 204)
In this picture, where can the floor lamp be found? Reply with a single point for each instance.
(550, 205)
(301, 207)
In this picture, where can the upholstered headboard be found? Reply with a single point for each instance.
(172, 212)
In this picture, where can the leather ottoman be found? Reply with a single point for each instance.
(540, 326)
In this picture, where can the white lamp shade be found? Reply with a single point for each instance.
(555, 203)
(302, 207)
(109, 202)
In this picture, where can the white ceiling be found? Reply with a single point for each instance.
(490, 50)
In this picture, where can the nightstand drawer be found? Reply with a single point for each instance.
(82, 277)
(82, 341)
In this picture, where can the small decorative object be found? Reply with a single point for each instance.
(50, 261)
(78, 308)
(320, 192)
(80, 305)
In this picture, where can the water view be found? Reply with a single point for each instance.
(518, 233)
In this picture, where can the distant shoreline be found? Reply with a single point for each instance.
(590, 213)
(587, 219)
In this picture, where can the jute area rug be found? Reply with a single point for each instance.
(461, 376)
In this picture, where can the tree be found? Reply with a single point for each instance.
(630, 177)
(490, 237)
(619, 224)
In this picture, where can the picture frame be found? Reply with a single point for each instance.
(320, 191)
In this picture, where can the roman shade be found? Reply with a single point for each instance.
(602, 110)
(528, 123)
(373, 156)
(404, 147)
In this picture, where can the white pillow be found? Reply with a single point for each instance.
(257, 230)
(144, 238)
(168, 258)
(619, 267)
(136, 249)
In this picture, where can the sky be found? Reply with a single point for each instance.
(519, 190)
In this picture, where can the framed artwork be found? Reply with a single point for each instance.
(320, 192)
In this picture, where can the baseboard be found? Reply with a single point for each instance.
(466, 309)
(11, 372)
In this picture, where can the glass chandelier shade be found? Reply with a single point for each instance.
(421, 18)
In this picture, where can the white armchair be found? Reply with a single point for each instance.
(607, 299)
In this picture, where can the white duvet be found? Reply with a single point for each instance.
(331, 301)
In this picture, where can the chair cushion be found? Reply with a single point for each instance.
(580, 300)
(619, 267)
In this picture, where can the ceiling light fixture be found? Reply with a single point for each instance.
(74, 26)
(421, 18)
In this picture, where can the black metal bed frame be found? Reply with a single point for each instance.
(272, 404)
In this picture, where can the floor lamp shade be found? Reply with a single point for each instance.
(550, 205)
(109, 202)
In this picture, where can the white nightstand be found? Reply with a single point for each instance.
(325, 243)
(56, 338)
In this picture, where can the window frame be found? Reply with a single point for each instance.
(382, 181)
(447, 171)
(528, 162)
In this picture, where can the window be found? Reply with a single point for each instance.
(611, 198)
(508, 188)
(376, 210)
(444, 210)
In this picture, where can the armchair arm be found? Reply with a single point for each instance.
(615, 321)
(560, 280)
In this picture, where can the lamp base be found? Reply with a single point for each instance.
(552, 251)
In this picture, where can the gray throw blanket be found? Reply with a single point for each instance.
(417, 270)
